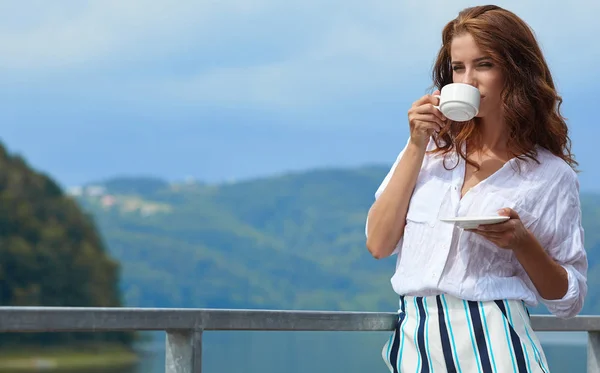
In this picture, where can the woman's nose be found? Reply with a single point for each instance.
(469, 78)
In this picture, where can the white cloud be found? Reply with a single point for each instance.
(72, 33)
(365, 47)
(315, 51)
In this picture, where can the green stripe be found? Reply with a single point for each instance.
(536, 352)
(508, 311)
(487, 336)
(510, 345)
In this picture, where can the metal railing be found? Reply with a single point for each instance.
(184, 327)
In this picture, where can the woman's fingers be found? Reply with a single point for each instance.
(427, 99)
(430, 109)
(428, 120)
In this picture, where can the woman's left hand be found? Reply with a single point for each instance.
(511, 234)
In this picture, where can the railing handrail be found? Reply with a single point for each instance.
(185, 326)
(45, 319)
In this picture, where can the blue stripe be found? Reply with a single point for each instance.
(393, 355)
(510, 346)
(394, 346)
(394, 349)
(522, 363)
(536, 352)
(482, 347)
(421, 347)
(451, 334)
(446, 348)
(427, 334)
(417, 334)
(487, 334)
(472, 338)
(399, 359)
(523, 346)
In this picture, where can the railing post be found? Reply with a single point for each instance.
(593, 352)
(183, 351)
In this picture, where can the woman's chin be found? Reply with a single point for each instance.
(481, 114)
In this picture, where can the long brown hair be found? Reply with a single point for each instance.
(530, 102)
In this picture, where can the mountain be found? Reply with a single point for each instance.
(50, 252)
(293, 241)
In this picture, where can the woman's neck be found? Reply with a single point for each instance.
(493, 136)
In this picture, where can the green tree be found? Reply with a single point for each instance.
(50, 253)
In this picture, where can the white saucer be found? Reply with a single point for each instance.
(471, 222)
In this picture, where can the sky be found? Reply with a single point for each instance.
(223, 90)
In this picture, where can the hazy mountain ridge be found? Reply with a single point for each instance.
(288, 241)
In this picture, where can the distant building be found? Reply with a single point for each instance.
(108, 201)
(76, 191)
(95, 190)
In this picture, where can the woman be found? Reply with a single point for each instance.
(463, 293)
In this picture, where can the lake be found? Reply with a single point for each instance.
(324, 352)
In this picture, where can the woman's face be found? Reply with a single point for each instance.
(471, 66)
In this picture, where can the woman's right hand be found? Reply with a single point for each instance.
(424, 119)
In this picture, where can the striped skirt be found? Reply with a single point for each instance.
(445, 334)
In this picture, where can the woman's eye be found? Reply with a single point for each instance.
(456, 68)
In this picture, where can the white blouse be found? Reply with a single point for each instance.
(436, 257)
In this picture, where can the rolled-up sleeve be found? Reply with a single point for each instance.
(566, 247)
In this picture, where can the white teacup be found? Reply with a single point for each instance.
(459, 102)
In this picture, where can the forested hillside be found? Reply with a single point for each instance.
(50, 252)
(291, 241)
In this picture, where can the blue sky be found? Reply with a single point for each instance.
(231, 89)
